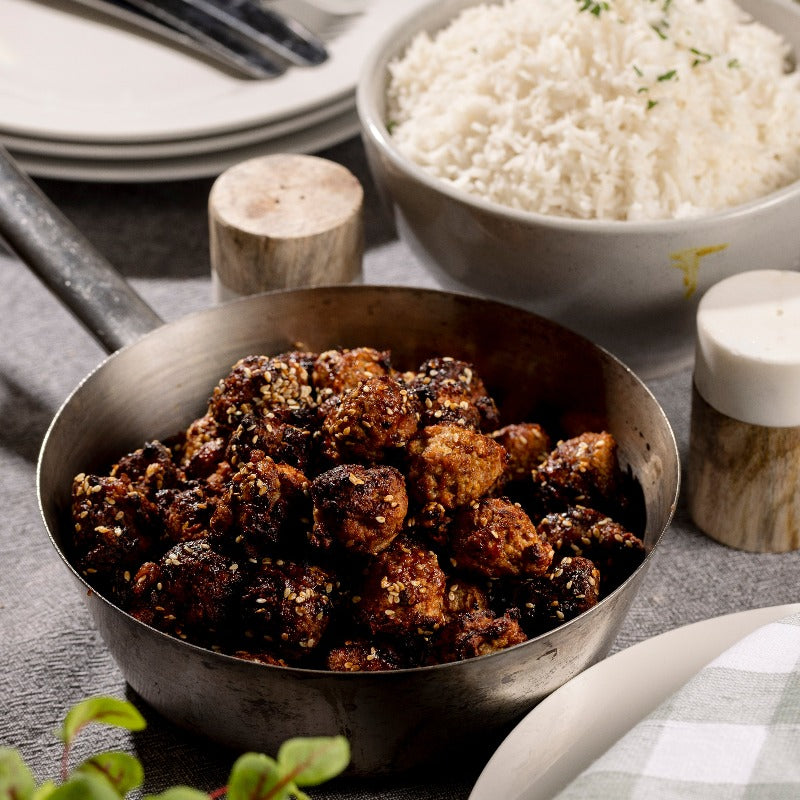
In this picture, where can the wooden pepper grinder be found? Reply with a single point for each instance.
(743, 482)
(284, 221)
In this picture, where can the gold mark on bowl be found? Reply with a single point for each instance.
(688, 262)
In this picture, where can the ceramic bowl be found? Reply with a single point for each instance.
(632, 287)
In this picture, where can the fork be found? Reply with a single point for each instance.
(328, 19)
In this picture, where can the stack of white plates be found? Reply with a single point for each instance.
(84, 97)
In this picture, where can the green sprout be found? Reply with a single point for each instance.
(112, 775)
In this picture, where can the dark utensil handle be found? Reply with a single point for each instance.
(66, 262)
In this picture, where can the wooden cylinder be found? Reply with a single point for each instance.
(284, 221)
(743, 481)
(743, 477)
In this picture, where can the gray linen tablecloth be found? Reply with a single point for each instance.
(156, 234)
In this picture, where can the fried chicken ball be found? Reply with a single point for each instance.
(582, 470)
(149, 469)
(259, 384)
(571, 588)
(114, 529)
(451, 391)
(286, 607)
(190, 592)
(363, 656)
(452, 465)
(477, 633)
(339, 370)
(581, 531)
(363, 508)
(371, 424)
(494, 537)
(284, 442)
(403, 591)
(527, 445)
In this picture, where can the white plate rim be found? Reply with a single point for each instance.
(204, 165)
(547, 750)
(146, 90)
(190, 146)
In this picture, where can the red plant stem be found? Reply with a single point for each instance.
(65, 762)
(221, 792)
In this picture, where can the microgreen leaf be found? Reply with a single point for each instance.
(122, 770)
(103, 710)
(255, 776)
(312, 761)
(16, 780)
(178, 793)
(44, 791)
(84, 787)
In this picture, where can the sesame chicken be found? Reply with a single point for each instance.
(453, 466)
(527, 445)
(259, 384)
(331, 511)
(362, 508)
(186, 513)
(371, 424)
(252, 514)
(582, 470)
(149, 469)
(201, 447)
(283, 441)
(494, 537)
(190, 592)
(339, 370)
(461, 597)
(451, 391)
(403, 591)
(114, 528)
(363, 656)
(432, 521)
(572, 587)
(286, 608)
(477, 633)
(581, 531)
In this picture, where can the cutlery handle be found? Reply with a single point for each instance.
(232, 55)
(239, 25)
(68, 264)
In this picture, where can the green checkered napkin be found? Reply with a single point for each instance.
(731, 732)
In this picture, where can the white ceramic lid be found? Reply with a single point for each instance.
(747, 360)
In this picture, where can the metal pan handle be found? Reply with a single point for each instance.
(67, 263)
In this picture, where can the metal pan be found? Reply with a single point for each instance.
(160, 380)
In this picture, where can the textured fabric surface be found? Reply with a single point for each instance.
(51, 655)
(733, 731)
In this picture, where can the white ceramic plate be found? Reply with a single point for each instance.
(75, 76)
(307, 140)
(172, 148)
(576, 724)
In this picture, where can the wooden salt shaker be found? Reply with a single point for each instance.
(284, 221)
(743, 482)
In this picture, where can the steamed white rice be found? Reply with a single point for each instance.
(625, 109)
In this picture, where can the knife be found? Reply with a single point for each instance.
(243, 23)
(239, 34)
